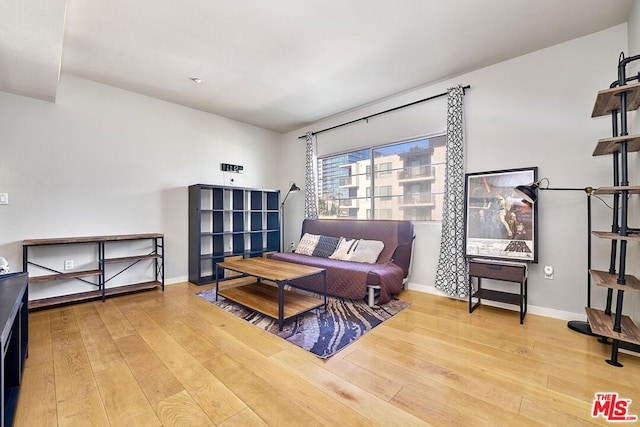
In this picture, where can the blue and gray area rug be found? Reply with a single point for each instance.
(323, 333)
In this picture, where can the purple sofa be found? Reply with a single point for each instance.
(357, 280)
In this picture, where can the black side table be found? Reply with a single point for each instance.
(506, 271)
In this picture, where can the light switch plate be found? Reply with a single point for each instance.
(4, 198)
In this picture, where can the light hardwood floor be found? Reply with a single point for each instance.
(171, 358)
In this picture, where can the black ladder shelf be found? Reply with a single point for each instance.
(621, 98)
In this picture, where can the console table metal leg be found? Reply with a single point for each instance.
(324, 275)
(470, 290)
(102, 281)
(521, 302)
(280, 305)
(473, 306)
(217, 282)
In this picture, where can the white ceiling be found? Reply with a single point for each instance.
(278, 64)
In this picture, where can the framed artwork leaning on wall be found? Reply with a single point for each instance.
(498, 223)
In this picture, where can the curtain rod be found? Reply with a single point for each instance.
(440, 95)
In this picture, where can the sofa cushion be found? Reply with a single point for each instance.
(326, 246)
(344, 250)
(307, 244)
(366, 251)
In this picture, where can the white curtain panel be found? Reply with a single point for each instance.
(452, 274)
(310, 193)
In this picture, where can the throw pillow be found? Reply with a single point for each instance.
(326, 246)
(307, 244)
(344, 249)
(367, 251)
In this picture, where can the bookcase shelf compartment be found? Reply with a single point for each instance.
(248, 225)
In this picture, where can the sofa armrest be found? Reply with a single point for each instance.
(402, 256)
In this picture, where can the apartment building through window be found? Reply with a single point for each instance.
(402, 181)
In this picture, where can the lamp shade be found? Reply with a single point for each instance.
(528, 192)
(294, 188)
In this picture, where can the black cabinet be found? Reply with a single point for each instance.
(229, 221)
(14, 297)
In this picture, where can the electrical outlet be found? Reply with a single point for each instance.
(232, 179)
(68, 264)
(4, 198)
(548, 272)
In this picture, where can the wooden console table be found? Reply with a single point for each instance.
(505, 271)
(95, 276)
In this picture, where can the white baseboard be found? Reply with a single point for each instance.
(175, 280)
(629, 352)
(531, 309)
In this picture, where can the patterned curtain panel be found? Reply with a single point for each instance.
(310, 193)
(452, 274)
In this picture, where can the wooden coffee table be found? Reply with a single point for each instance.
(272, 301)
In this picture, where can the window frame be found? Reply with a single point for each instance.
(371, 171)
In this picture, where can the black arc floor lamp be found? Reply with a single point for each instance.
(529, 193)
(293, 189)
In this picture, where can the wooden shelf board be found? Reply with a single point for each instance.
(90, 239)
(615, 236)
(63, 276)
(500, 296)
(136, 287)
(264, 299)
(212, 255)
(64, 299)
(617, 190)
(602, 325)
(607, 146)
(90, 295)
(131, 258)
(608, 280)
(235, 281)
(608, 99)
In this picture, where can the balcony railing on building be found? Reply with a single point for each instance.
(417, 199)
(417, 173)
(345, 202)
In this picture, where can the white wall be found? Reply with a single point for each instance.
(108, 161)
(634, 33)
(529, 111)
(632, 299)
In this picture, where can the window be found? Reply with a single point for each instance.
(407, 181)
(384, 192)
(383, 169)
